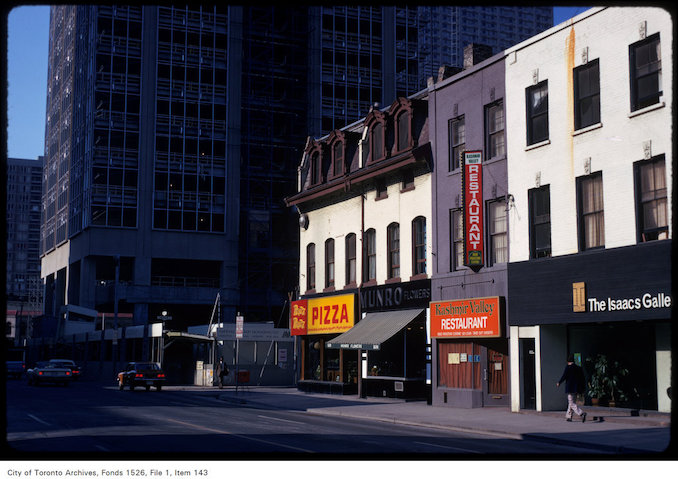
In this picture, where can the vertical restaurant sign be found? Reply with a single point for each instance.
(324, 315)
(472, 181)
(464, 318)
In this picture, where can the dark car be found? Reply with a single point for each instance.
(68, 363)
(48, 372)
(143, 374)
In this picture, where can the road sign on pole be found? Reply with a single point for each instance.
(239, 327)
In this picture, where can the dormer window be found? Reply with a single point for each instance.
(377, 142)
(403, 128)
(338, 158)
(315, 169)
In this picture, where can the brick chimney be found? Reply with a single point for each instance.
(476, 53)
(446, 71)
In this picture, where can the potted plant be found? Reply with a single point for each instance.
(606, 380)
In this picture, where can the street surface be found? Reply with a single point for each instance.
(88, 417)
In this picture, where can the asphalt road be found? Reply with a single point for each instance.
(90, 418)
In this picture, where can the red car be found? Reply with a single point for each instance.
(144, 374)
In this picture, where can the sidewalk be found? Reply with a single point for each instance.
(606, 430)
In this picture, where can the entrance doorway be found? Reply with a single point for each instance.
(527, 374)
(496, 374)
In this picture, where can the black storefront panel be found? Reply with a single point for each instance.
(622, 284)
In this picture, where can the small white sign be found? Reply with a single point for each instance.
(239, 327)
(282, 356)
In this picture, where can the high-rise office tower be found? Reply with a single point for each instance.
(173, 135)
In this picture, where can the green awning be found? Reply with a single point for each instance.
(374, 329)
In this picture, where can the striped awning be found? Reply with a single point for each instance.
(374, 329)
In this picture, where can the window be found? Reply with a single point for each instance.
(393, 238)
(537, 113)
(498, 239)
(329, 263)
(586, 95)
(310, 266)
(494, 127)
(457, 235)
(370, 256)
(382, 191)
(350, 259)
(338, 158)
(457, 136)
(646, 72)
(540, 222)
(403, 131)
(315, 169)
(419, 245)
(377, 142)
(590, 208)
(408, 180)
(651, 208)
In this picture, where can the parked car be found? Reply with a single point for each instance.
(48, 372)
(68, 363)
(16, 362)
(145, 374)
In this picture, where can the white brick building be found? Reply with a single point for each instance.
(589, 148)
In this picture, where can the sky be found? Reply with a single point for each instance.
(27, 47)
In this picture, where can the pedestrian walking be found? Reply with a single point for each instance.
(222, 370)
(575, 383)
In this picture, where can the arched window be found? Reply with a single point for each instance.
(403, 130)
(310, 266)
(315, 169)
(350, 259)
(377, 141)
(370, 256)
(419, 245)
(393, 235)
(329, 263)
(338, 158)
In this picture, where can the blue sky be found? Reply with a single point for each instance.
(27, 45)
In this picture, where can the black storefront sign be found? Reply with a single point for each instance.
(410, 295)
(631, 283)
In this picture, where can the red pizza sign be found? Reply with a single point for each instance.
(472, 181)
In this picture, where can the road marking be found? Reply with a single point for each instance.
(447, 447)
(223, 431)
(39, 420)
(284, 420)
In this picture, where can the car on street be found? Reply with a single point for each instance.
(68, 363)
(143, 374)
(16, 362)
(48, 372)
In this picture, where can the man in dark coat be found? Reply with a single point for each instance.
(222, 370)
(575, 383)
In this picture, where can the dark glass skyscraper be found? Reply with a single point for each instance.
(174, 133)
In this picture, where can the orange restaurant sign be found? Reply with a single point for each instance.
(326, 315)
(473, 317)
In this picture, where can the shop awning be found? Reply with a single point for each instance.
(374, 329)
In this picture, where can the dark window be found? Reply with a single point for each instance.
(457, 243)
(590, 211)
(315, 169)
(370, 256)
(586, 95)
(540, 222)
(329, 263)
(419, 245)
(651, 204)
(403, 131)
(646, 72)
(338, 158)
(537, 113)
(350, 259)
(494, 128)
(310, 266)
(377, 142)
(393, 235)
(382, 191)
(408, 180)
(457, 137)
(498, 232)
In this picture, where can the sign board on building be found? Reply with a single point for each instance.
(322, 315)
(472, 186)
(466, 318)
(253, 332)
(239, 327)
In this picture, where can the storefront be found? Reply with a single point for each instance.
(614, 303)
(315, 321)
(390, 340)
(471, 363)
